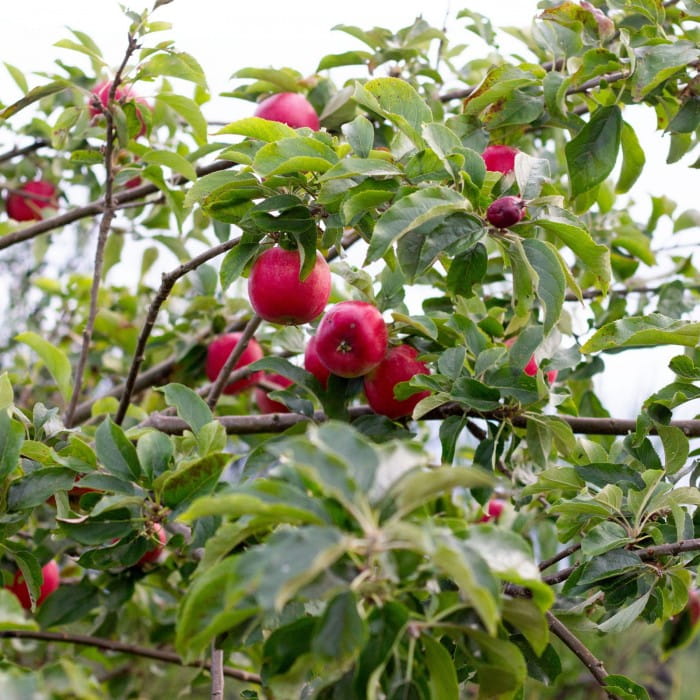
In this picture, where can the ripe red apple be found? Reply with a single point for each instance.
(693, 606)
(505, 212)
(313, 364)
(279, 296)
(219, 351)
(51, 578)
(531, 367)
(352, 338)
(493, 510)
(500, 159)
(264, 402)
(398, 365)
(290, 108)
(100, 95)
(28, 208)
(152, 554)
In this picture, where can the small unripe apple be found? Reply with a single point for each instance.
(51, 579)
(290, 108)
(152, 555)
(28, 208)
(693, 606)
(505, 212)
(493, 510)
(219, 351)
(500, 159)
(278, 295)
(398, 365)
(264, 402)
(313, 364)
(100, 95)
(352, 338)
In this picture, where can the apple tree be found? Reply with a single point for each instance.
(303, 404)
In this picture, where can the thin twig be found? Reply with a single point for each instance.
(223, 377)
(102, 236)
(589, 660)
(168, 281)
(168, 657)
(217, 672)
(23, 150)
(571, 549)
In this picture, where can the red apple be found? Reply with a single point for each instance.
(100, 95)
(399, 365)
(28, 208)
(500, 159)
(152, 555)
(264, 402)
(352, 338)
(505, 212)
(291, 108)
(531, 367)
(51, 578)
(313, 364)
(219, 351)
(493, 510)
(279, 296)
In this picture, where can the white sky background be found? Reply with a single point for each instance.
(225, 35)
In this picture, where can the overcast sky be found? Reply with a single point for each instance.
(225, 36)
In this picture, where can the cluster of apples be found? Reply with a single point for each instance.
(29, 199)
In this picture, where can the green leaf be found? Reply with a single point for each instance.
(347, 58)
(286, 79)
(499, 83)
(551, 283)
(475, 394)
(340, 633)
(525, 278)
(55, 360)
(360, 135)
(409, 213)
(442, 675)
(69, 603)
(643, 331)
(176, 64)
(35, 488)
(193, 479)
(397, 101)
(466, 270)
(365, 167)
(298, 154)
(12, 615)
(529, 620)
(260, 129)
(11, 439)
(656, 63)
(633, 159)
(676, 447)
(238, 257)
(623, 618)
(595, 256)
(34, 95)
(591, 154)
(17, 76)
(116, 452)
(7, 393)
(172, 160)
(190, 406)
(189, 110)
(625, 688)
(604, 537)
(29, 568)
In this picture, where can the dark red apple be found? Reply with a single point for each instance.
(693, 606)
(264, 402)
(493, 510)
(279, 296)
(500, 159)
(398, 365)
(352, 338)
(28, 208)
(505, 212)
(100, 95)
(313, 364)
(152, 555)
(290, 108)
(51, 579)
(219, 351)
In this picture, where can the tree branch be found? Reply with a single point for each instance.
(278, 422)
(168, 657)
(217, 672)
(23, 150)
(168, 281)
(591, 662)
(571, 549)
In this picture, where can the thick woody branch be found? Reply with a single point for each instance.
(274, 423)
(589, 660)
(571, 549)
(168, 657)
